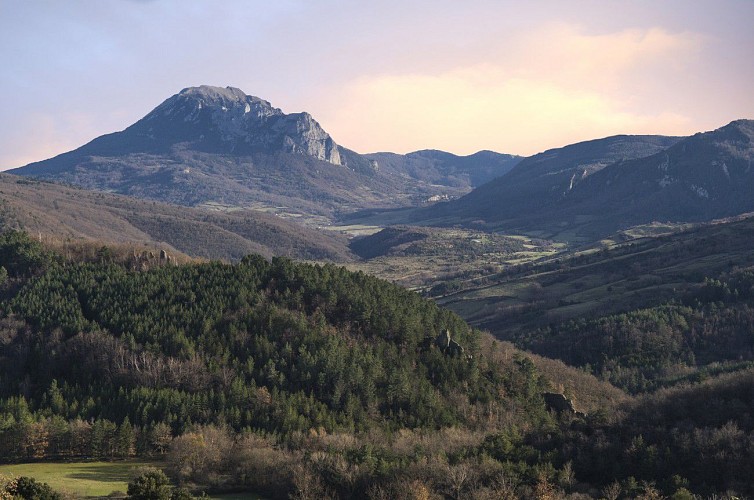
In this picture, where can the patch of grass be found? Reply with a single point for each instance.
(80, 479)
(235, 496)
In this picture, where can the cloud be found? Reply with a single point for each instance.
(554, 86)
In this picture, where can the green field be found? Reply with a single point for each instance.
(235, 496)
(80, 479)
(94, 479)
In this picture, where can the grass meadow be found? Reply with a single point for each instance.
(94, 479)
(80, 479)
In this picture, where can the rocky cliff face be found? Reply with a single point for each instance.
(304, 135)
(227, 120)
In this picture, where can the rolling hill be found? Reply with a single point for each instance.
(64, 214)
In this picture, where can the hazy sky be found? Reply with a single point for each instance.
(515, 77)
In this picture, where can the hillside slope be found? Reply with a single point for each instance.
(590, 190)
(215, 360)
(61, 213)
(641, 314)
(540, 181)
(304, 380)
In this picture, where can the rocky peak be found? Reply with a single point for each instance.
(226, 102)
(228, 119)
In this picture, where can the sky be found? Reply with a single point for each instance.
(515, 77)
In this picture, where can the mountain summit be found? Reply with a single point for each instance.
(227, 120)
(221, 148)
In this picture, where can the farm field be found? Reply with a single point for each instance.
(94, 479)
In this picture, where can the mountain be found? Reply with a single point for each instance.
(215, 120)
(64, 215)
(432, 166)
(218, 146)
(703, 177)
(545, 178)
(593, 189)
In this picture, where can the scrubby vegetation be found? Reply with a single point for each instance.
(26, 488)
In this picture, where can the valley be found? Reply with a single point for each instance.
(442, 259)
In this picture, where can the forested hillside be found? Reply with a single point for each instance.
(312, 381)
(643, 314)
(709, 329)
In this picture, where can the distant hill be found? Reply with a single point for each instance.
(542, 181)
(211, 145)
(446, 168)
(61, 213)
(590, 190)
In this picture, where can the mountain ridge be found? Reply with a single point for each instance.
(211, 145)
(593, 189)
(544, 177)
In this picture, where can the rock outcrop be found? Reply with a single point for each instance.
(227, 119)
(559, 403)
(447, 345)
